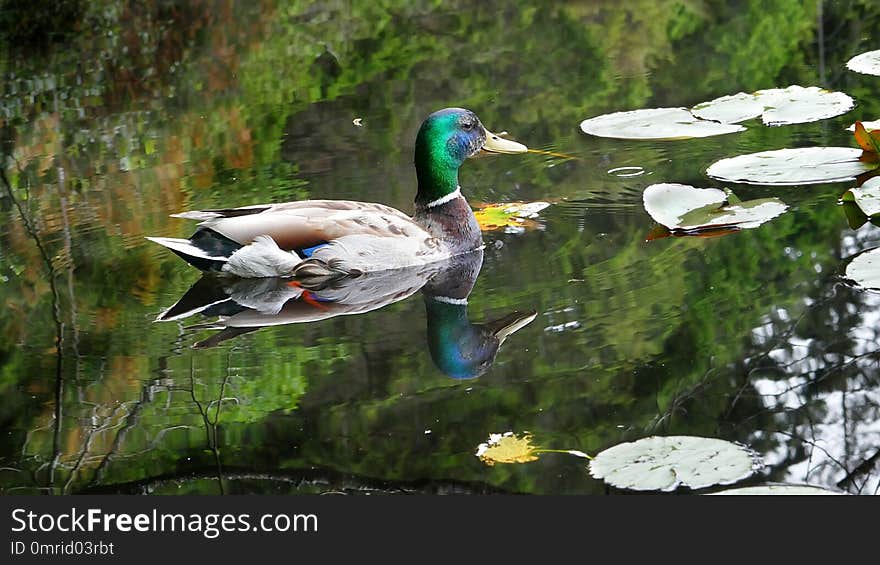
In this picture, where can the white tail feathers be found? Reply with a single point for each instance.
(197, 215)
(262, 258)
(186, 247)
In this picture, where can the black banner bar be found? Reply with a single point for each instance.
(135, 529)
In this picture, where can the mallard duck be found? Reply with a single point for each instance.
(459, 348)
(325, 239)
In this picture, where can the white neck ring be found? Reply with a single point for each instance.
(444, 199)
(450, 300)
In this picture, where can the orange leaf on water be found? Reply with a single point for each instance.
(867, 140)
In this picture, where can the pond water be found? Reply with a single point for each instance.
(115, 115)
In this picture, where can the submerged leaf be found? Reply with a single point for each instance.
(855, 218)
(507, 448)
(777, 106)
(865, 63)
(510, 216)
(655, 124)
(685, 208)
(867, 140)
(781, 167)
(665, 463)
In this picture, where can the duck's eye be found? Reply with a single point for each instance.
(467, 126)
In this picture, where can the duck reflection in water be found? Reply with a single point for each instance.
(459, 348)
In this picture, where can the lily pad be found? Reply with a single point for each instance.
(655, 124)
(779, 489)
(866, 197)
(864, 269)
(665, 463)
(786, 167)
(866, 63)
(777, 106)
(799, 105)
(870, 126)
(510, 216)
(681, 207)
(730, 109)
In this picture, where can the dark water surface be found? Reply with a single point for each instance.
(114, 115)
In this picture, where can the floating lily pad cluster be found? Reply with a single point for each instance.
(686, 210)
(775, 107)
(707, 212)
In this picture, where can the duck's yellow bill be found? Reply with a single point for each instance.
(497, 144)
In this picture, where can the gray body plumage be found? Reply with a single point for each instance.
(360, 238)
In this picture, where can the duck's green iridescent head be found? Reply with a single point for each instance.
(448, 137)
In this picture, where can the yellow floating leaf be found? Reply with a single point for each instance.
(507, 448)
(509, 216)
